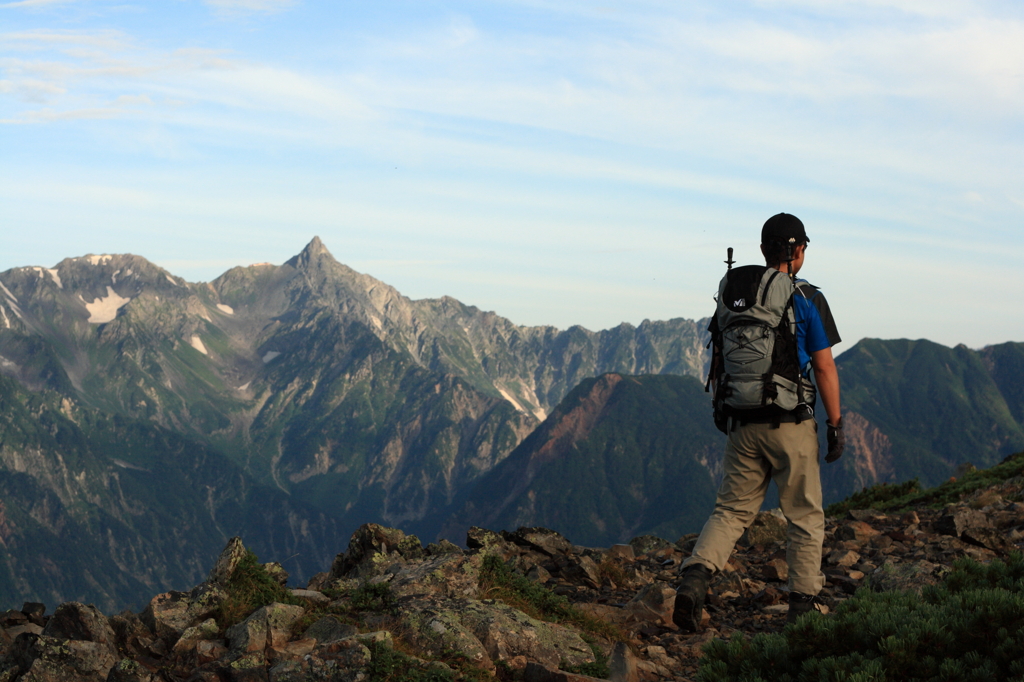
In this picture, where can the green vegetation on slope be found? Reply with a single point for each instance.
(111, 510)
(644, 468)
(969, 629)
(937, 406)
(887, 497)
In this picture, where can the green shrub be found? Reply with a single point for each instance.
(897, 497)
(372, 597)
(970, 628)
(874, 497)
(249, 588)
(388, 665)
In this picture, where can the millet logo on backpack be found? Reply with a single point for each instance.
(740, 303)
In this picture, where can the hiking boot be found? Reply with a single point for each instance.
(800, 603)
(690, 597)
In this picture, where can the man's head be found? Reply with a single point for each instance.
(782, 237)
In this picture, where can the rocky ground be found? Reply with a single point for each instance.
(391, 609)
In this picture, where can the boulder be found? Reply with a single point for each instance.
(341, 661)
(957, 520)
(582, 570)
(81, 622)
(989, 538)
(127, 670)
(625, 552)
(767, 528)
(537, 672)
(654, 603)
(34, 611)
(329, 629)
(169, 614)
(648, 543)
(205, 630)
(276, 572)
(311, 596)
(267, 626)
(437, 629)
(227, 562)
(857, 531)
(489, 631)
(451, 576)
(622, 665)
(49, 659)
(841, 557)
(506, 633)
(132, 636)
(775, 570)
(543, 540)
(371, 548)
(291, 651)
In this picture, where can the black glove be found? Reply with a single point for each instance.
(836, 441)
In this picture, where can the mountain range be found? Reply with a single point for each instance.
(292, 403)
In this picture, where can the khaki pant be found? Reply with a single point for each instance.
(754, 455)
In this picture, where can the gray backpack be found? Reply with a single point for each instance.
(755, 365)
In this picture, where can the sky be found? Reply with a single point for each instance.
(558, 163)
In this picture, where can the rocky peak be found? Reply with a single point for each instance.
(314, 252)
(607, 611)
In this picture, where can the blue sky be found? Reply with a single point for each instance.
(557, 162)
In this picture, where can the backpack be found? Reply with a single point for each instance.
(755, 365)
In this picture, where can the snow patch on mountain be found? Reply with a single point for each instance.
(56, 278)
(508, 396)
(9, 294)
(226, 309)
(105, 309)
(197, 343)
(270, 355)
(99, 260)
(12, 302)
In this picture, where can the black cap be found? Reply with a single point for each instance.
(783, 227)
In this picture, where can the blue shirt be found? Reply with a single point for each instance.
(815, 327)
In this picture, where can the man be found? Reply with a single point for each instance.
(769, 438)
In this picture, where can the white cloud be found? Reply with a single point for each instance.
(265, 6)
(37, 3)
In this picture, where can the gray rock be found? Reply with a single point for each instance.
(81, 622)
(277, 572)
(543, 540)
(583, 570)
(371, 549)
(767, 528)
(958, 520)
(329, 629)
(654, 603)
(312, 596)
(857, 531)
(452, 576)
(621, 552)
(506, 633)
(648, 543)
(622, 665)
(127, 670)
(267, 626)
(227, 562)
(48, 659)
